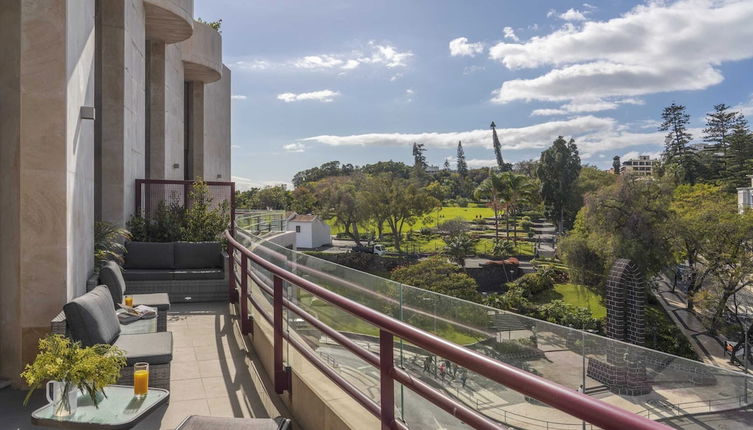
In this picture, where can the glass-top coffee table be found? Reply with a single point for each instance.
(141, 326)
(119, 410)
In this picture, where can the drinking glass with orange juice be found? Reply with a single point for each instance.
(128, 300)
(140, 379)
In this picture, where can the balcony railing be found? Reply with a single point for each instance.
(281, 282)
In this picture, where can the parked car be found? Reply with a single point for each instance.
(373, 249)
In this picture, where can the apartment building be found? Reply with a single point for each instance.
(95, 94)
(642, 166)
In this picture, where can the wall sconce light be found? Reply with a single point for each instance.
(88, 112)
(219, 176)
(176, 166)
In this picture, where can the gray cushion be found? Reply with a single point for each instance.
(161, 301)
(91, 317)
(152, 348)
(191, 274)
(111, 276)
(148, 274)
(198, 255)
(149, 255)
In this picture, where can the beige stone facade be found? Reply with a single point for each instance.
(147, 68)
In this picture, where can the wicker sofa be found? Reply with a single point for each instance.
(91, 319)
(186, 271)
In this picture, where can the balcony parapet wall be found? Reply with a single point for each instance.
(169, 20)
(202, 54)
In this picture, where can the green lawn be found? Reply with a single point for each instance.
(574, 294)
(344, 321)
(442, 215)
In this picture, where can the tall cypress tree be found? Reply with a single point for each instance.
(497, 148)
(616, 164)
(462, 166)
(558, 170)
(677, 151)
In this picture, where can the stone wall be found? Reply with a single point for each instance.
(216, 159)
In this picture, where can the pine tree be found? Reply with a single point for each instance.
(419, 159)
(446, 166)
(462, 166)
(616, 164)
(739, 160)
(677, 151)
(719, 125)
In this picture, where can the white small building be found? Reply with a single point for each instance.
(310, 231)
(745, 197)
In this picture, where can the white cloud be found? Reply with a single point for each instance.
(244, 184)
(378, 54)
(592, 134)
(476, 163)
(461, 47)
(252, 65)
(745, 108)
(318, 62)
(409, 95)
(294, 147)
(324, 96)
(573, 15)
(238, 97)
(585, 105)
(510, 34)
(395, 77)
(652, 48)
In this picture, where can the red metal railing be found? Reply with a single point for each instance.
(573, 403)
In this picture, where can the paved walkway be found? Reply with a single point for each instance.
(708, 348)
(211, 373)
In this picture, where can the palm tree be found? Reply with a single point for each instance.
(491, 189)
(517, 190)
(506, 191)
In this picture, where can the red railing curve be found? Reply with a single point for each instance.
(567, 400)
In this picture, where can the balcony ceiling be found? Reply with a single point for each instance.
(169, 20)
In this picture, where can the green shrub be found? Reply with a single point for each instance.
(534, 283)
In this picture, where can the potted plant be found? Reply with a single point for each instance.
(71, 368)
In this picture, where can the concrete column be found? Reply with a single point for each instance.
(216, 166)
(165, 109)
(209, 124)
(123, 107)
(46, 168)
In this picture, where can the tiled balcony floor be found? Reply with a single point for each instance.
(211, 373)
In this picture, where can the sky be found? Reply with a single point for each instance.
(360, 81)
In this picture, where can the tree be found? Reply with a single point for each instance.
(719, 126)
(446, 165)
(562, 313)
(558, 170)
(585, 262)
(518, 191)
(419, 159)
(304, 199)
(462, 166)
(629, 219)
(677, 151)
(616, 165)
(400, 201)
(395, 168)
(274, 197)
(526, 167)
(491, 189)
(458, 247)
(204, 221)
(437, 275)
(342, 199)
(739, 161)
(501, 165)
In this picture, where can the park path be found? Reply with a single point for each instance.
(544, 235)
(709, 349)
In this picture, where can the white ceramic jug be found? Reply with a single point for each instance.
(64, 402)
